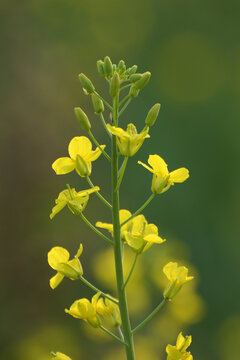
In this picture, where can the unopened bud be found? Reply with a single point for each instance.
(114, 85)
(100, 68)
(132, 70)
(134, 77)
(86, 83)
(97, 104)
(108, 67)
(82, 119)
(133, 91)
(121, 66)
(143, 81)
(152, 115)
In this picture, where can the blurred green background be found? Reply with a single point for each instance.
(192, 49)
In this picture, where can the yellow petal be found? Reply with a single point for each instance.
(63, 165)
(93, 155)
(146, 166)
(57, 255)
(57, 208)
(154, 239)
(106, 226)
(179, 175)
(118, 131)
(158, 165)
(79, 145)
(84, 193)
(173, 353)
(55, 280)
(135, 242)
(79, 252)
(183, 342)
(168, 270)
(138, 225)
(61, 356)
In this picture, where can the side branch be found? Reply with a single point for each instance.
(150, 316)
(96, 230)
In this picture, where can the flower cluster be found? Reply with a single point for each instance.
(126, 229)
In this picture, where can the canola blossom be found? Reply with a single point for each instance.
(178, 351)
(86, 310)
(76, 201)
(129, 141)
(177, 275)
(58, 259)
(109, 311)
(81, 157)
(162, 178)
(140, 235)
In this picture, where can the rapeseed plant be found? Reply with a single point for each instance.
(131, 229)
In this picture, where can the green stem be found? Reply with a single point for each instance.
(131, 271)
(95, 229)
(125, 87)
(99, 146)
(124, 106)
(111, 334)
(122, 170)
(105, 125)
(85, 281)
(98, 194)
(139, 210)
(126, 327)
(150, 316)
(123, 101)
(104, 101)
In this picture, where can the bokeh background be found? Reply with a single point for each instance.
(192, 49)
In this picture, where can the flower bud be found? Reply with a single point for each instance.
(132, 70)
(97, 104)
(121, 66)
(114, 84)
(134, 77)
(82, 167)
(86, 83)
(152, 115)
(100, 68)
(133, 91)
(82, 119)
(108, 67)
(143, 81)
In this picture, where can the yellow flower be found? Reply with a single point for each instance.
(58, 259)
(178, 352)
(109, 311)
(129, 141)
(177, 275)
(86, 310)
(81, 157)
(123, 215)
(76, 201)
(60, 356)
(141, 235)
(162, 178)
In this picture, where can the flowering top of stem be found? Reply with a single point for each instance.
(177, 275)
(129, 141)
(81, 157)
(178, 352)
(162, 178)
(76, 201)
(58, 259)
